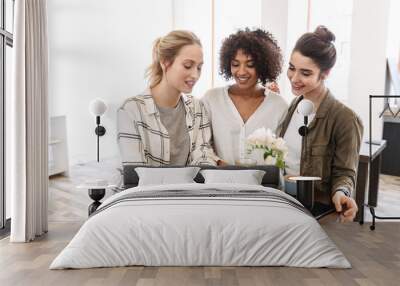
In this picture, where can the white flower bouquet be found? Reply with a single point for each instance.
(274, 149)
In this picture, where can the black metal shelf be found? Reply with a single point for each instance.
(394, 114)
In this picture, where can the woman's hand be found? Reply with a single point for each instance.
(273, 86)
(221, 163)
(344, 205)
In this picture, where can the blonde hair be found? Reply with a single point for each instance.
(166, 49)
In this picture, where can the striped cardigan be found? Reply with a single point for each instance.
(143, 139)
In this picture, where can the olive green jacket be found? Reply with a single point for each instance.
(333, 145)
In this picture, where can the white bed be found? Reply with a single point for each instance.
(201, 224)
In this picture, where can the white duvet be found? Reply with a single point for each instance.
(185, 230)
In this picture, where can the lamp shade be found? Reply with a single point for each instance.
(306, 107)
(97, 107)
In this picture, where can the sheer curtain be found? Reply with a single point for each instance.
(29, 121)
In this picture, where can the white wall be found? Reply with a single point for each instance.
(368, 60)
(337, 16)
(196, 16)
(275, 19)
(231, 15)
(287, 21)
(361, 29)
(99, 48)
(393, 47)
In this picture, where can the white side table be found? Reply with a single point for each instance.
(96, 192)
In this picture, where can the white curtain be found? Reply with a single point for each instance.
(29, 121)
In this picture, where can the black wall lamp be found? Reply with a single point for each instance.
(97, 107)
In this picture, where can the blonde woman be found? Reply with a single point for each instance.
(164, 125)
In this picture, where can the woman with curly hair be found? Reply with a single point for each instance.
(253, 59)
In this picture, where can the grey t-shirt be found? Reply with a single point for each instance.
(174, 120)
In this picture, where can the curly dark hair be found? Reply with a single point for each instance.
(258, 44)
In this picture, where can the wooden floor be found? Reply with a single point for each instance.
(374, 255)
(388, 197)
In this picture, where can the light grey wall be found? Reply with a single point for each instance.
(196, 16)
(99, 48)
(231, 15)
(286, 20)
(368, 60)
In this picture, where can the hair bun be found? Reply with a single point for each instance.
(324, 34)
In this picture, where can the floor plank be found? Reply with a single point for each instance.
(374, 255)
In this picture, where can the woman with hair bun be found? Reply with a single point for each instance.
(164, 125)
(253, 59)
(331, 148)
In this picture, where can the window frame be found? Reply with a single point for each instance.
(6, 39)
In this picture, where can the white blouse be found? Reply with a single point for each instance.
(294, 141)
(229, 129)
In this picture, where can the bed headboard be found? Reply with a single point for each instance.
(270, 179)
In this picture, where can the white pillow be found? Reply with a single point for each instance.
(248, 177)
(163, 176)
